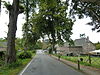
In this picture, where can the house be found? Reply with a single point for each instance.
(81, 46)
(86, 44)
(75, 50)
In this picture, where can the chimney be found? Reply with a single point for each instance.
(87, 38)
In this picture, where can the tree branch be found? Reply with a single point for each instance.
(93, 1)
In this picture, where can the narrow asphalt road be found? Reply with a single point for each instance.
(43, 64)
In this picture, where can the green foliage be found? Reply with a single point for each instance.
(50, 50)
(19, 43)
(83, 8)
(34, 51)
(84, 62)
(15, 64)
(24, 55)
(97, 45)
(15, 68)
(3, 40)
(38, 45)
(52, 21)
(7, 5)
(30, 38)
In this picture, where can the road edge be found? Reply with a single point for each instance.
(86, 70)
(21, 73)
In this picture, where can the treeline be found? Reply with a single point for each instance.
(97, 45)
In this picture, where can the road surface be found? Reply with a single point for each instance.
(43, 64)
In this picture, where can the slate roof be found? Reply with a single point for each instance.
(81, 42)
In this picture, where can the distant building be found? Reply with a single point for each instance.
(68, 50)
(81, 46)
(86, 44)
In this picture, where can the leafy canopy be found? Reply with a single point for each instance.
(88, 8)
(52, 21)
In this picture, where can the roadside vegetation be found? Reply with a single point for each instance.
(97, 45)
(23, 58)
(84, 60)
(51, 21)
(14, 68)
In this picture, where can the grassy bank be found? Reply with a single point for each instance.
(95, 61)
(15, 68)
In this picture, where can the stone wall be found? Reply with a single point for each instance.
(88, 47)
(67, 50)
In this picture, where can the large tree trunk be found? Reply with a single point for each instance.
(53, 41)
(53, 46)
(12, 27)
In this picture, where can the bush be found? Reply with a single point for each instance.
(15, 64)
(24, 55)
(34, 51)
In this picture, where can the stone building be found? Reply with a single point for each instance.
(86, 44)
(81, 46)
(75, 50)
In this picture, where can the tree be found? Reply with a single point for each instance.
(88, 8)
(19, 43)
(38, 45)
(27, 32)
(97, 45)
(93, 1)
(30, 38)
(14, 10)
(52, 21)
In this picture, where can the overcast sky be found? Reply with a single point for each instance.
(79, 27)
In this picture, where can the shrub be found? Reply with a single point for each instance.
(15, 64)
(50, 50)
(34, 51)
(24, 55)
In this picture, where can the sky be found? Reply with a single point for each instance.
(79, 27)
(4, 20)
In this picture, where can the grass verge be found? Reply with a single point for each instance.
(15, 68)
(95, 61)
